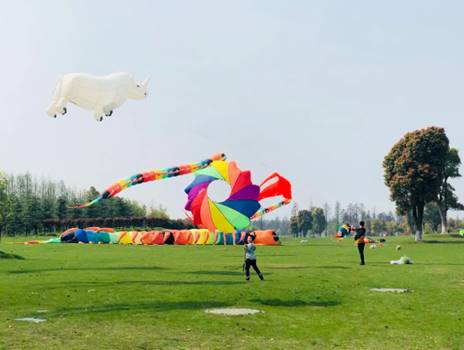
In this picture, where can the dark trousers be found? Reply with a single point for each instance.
(248, 263)
(361, 252)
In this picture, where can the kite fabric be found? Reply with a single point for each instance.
(344, 231)
(100, 94)
(151, 175)
(232, 214)
(281, 187)
(235, 213)
(96, 235)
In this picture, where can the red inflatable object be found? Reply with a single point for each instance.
(281, 187)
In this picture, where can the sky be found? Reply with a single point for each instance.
(318, 91)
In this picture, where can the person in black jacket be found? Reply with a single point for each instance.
(359, 238)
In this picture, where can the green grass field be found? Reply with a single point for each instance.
(315, 296)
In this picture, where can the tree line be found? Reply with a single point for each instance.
(32, 206)
(325, 221)
(309, 222)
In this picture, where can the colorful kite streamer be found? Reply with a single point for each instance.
(235, 213)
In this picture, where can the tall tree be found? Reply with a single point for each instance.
(432, 216)
(337, 213)
(15, 224)
(327, 217)
(94, 210)
(293, 226)
(318, 219)
(61, 208)
(159, 212)
(414, 171)
(305, 221)
(378, 226)
(5, 203)
(446, 198)
(294, 211)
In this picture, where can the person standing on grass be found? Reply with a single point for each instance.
(359, 238)
(250, 258)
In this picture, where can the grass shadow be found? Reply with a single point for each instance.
(65, 269)
(215, 273)
(314, 244)
(286, 266)
(4, 255)
(438, 264)
(435, 241)
(155, 306)
(333, 267)
(219, 273)
(98, 284)
(260, 255)
(296, 303)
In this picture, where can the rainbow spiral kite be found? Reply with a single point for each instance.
(235, 213)
(232, 214)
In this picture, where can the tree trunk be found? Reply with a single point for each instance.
(411, 220)
(418, 214)
(444, 219)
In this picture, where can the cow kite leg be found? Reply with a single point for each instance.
(63, 93)
(108, 109)
(59, 102)
(99, 114)
(60, 106)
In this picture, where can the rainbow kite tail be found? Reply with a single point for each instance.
(88, 204)
(152, 175)
(270, 208)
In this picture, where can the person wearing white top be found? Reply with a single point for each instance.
(250, 258)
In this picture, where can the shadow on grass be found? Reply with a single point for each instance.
(315, 244)
(276, 255)
(333, 267)
(296, 303)
(104, 284)
(438, 264)
(4, 255)
(435, 241)
(219, 273)
(65, 269)
(155, 306)
(215, 273)
(286, 266)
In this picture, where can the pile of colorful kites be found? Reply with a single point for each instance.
(97, 235)
(344, 231)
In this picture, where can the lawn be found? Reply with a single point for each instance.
(315, 296)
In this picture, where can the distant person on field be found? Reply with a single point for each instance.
(250, 258)
(359, 238)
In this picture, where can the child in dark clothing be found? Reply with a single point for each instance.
(359, 238)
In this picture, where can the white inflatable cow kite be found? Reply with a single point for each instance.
(101, 95)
